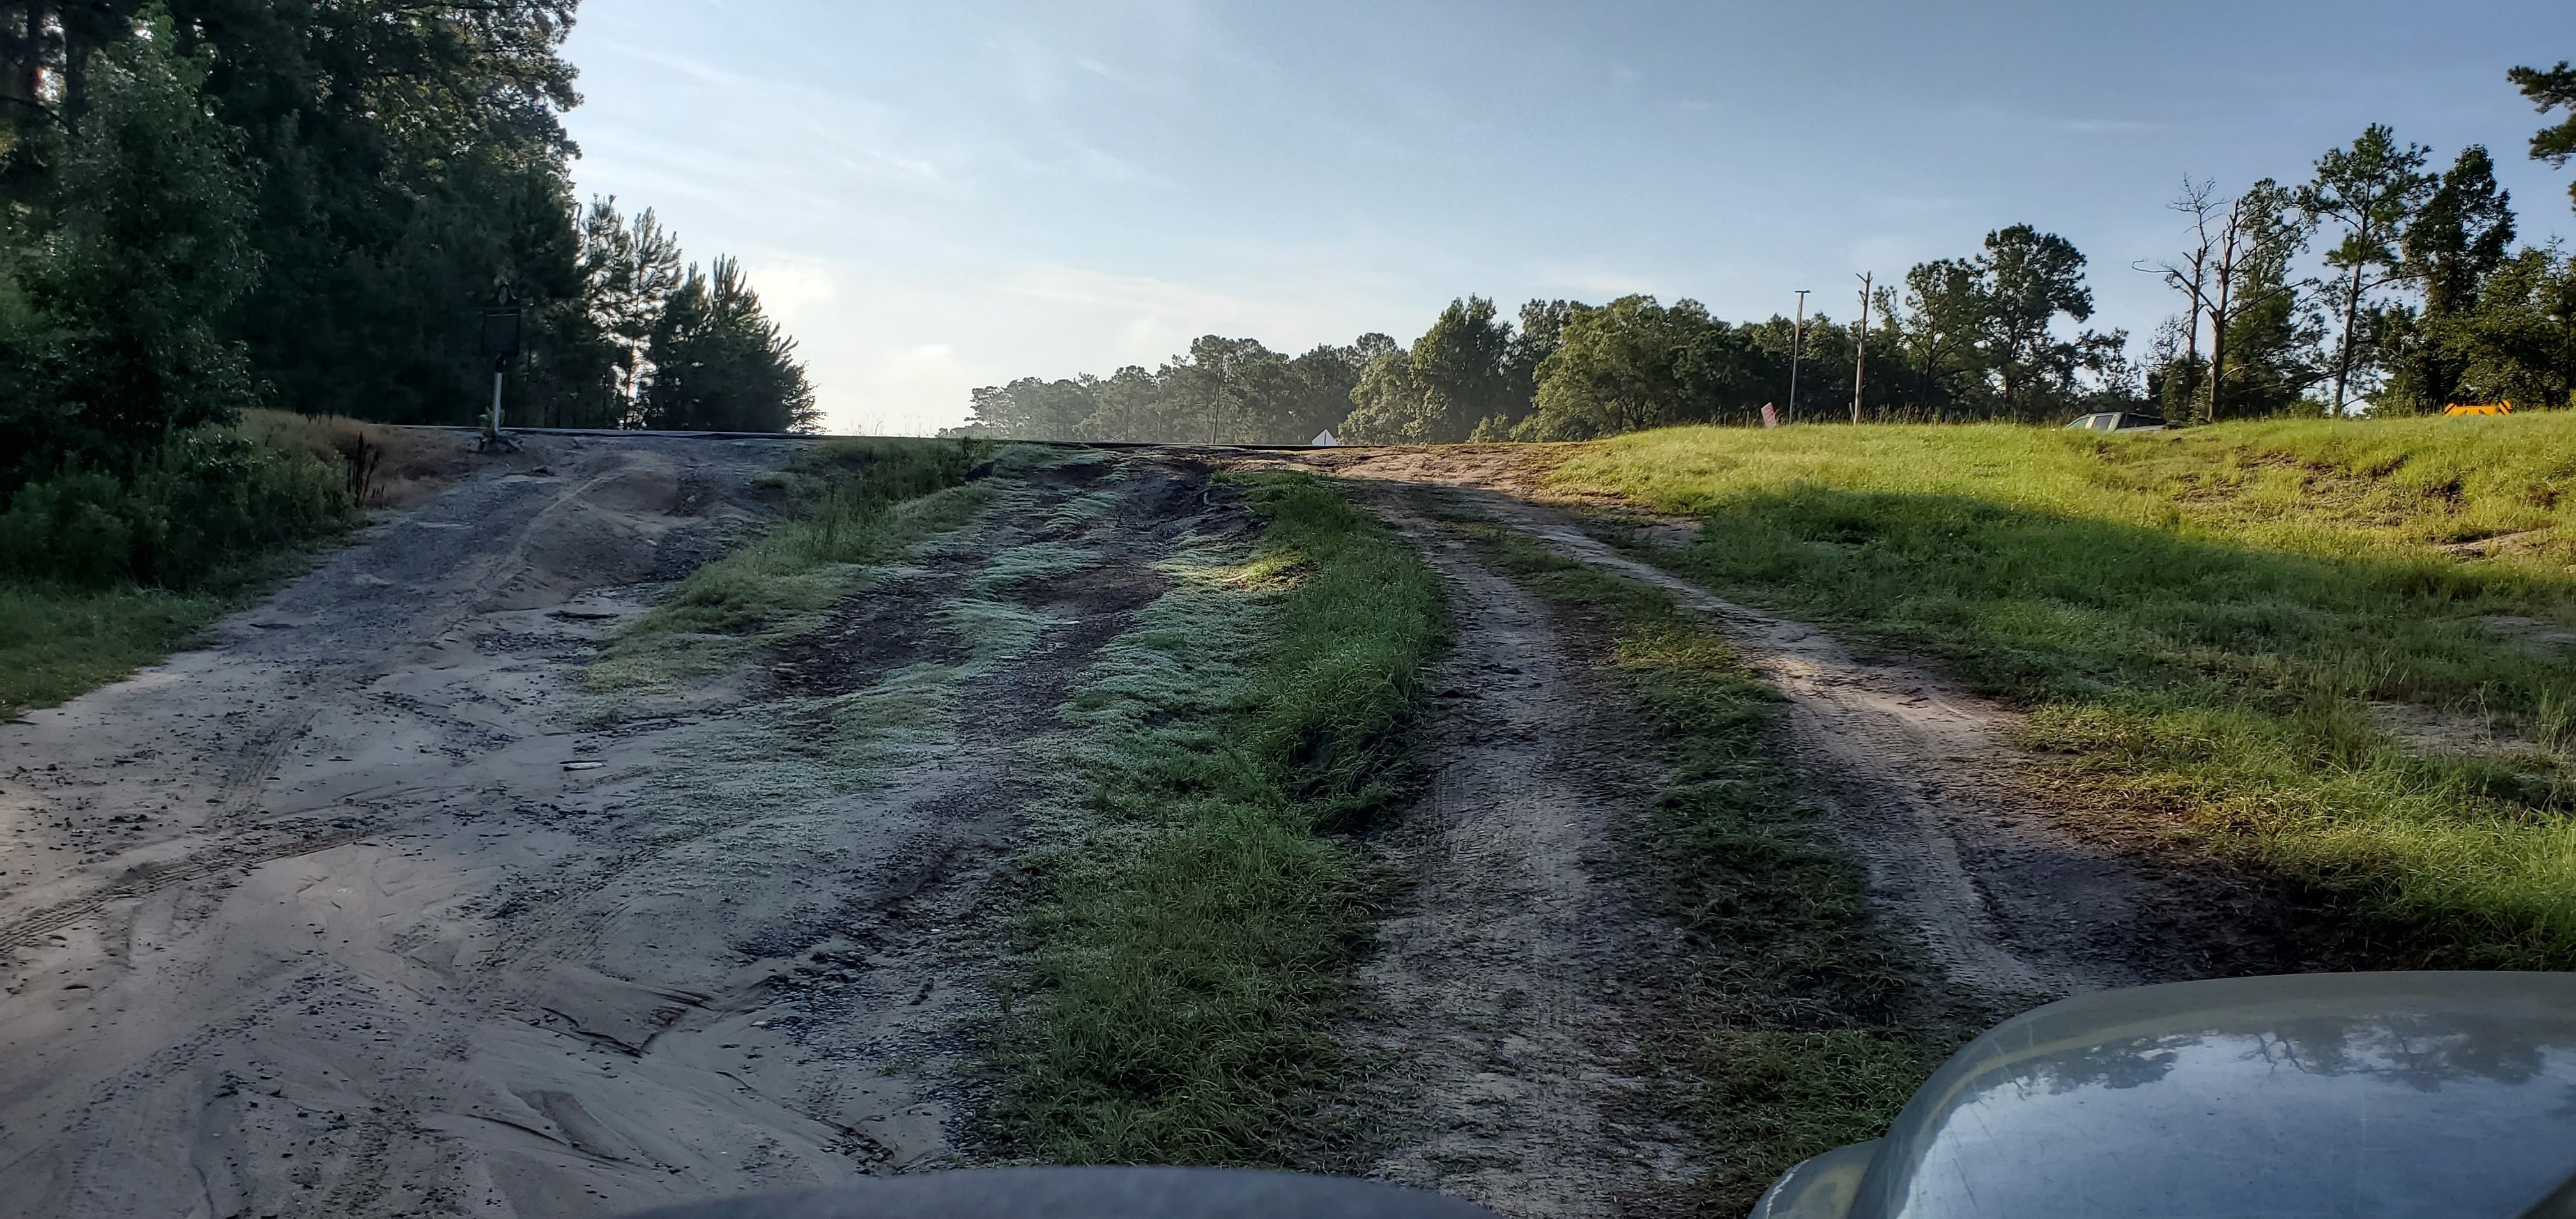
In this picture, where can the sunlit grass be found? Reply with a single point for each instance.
(2204, 619)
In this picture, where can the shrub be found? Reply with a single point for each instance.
(208, 503)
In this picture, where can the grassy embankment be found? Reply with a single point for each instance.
(2223, 628)
(850, 504)
(1789, 1040)
(101, 575)
(1198, 917)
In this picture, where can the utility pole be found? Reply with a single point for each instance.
(1860, 348)
(1797, 345)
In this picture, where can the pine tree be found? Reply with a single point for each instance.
(720, 365)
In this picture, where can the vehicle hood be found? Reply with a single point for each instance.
(2392, 1094)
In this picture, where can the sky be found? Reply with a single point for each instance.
(933, 197)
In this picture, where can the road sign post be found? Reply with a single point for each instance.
(504, 331)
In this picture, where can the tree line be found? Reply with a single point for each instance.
(207, 205)
(2376, 284)
(1971, 340)
(2418, 297)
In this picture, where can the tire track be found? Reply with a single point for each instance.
(1515, 984)
(1917, 783)
(143, 880)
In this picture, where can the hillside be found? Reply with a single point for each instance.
(2336, 652)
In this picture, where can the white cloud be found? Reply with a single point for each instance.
(899, 391)
(789, 289)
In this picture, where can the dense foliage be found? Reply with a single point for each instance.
(208, 204)
(1223, 390)
(1971, 338)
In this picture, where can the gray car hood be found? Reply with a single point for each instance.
(2345, 1095)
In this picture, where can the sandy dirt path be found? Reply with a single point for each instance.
(1918, 780)
(364, 908)
(1515, 983)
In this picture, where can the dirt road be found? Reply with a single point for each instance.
(1918, 781)
(368, 907)
(1515, 984)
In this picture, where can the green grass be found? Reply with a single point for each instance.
(2202, 622)
(779, 770)
(852, 504)
(103, 574)
(1792, 1035)
(58, 642)
(1197, 925)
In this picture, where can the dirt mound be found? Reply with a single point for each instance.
(605, 529)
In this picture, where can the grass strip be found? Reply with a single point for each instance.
(1194, 941)
(1789, 1038)
(102, 574)
(2214, 626)
(58, 642)
(851, 503)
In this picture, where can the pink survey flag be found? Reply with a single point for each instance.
(1770, 417)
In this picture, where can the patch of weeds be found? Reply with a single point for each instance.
(57, 641)
(853, 504)
(102, 574)
(1793, 1034)
(990, 630)
(1082, 511)
(776, 763)
(1197, 924)
(1034, 561)
(778, 767)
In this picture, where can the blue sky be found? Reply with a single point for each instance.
(939, 196)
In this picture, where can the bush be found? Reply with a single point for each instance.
(194, 515)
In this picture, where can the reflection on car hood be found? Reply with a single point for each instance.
(2399, 1094)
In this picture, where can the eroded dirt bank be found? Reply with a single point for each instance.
(369, 908)
(262, 961)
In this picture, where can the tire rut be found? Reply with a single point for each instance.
(1918, 783)
(1516, 982)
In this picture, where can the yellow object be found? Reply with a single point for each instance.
(2482, 408)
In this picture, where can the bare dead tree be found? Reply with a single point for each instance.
(2189, 274)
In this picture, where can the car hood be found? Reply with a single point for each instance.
(2393, 1094)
